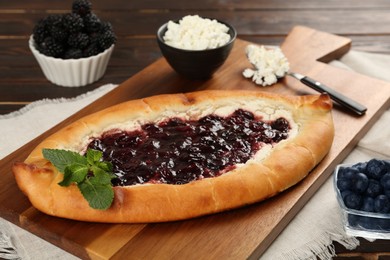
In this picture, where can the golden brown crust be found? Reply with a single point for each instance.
(285, 165)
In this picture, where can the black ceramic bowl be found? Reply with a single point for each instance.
(195, 64)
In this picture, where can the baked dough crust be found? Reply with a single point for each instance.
(286, 164)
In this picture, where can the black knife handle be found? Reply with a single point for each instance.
(336, 96)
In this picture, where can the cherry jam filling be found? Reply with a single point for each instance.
(177, 151)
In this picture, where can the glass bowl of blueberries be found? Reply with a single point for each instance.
(363, 193)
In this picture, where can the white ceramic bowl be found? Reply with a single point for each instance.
(72, 72)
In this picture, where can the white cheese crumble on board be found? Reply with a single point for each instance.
(269, 65)
(196, 33)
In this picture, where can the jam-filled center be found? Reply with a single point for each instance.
(179, 151)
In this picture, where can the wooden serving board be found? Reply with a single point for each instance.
(236, 234)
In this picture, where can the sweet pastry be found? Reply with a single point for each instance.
(179, 156)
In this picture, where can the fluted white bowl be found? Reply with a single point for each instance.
(72, 72)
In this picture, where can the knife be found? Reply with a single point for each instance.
(352, 105)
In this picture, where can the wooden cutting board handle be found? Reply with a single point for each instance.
(306, 45)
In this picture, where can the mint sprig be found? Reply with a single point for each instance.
(91, 175)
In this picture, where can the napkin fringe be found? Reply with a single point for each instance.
(7, 249)
(46, 101)
(322, 247)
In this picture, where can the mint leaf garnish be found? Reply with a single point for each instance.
(74, 173)
(99, 195)
(93, 156)
(91, 175)
(62, 158)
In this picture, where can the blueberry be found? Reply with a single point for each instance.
(367, 222)
(344, 184)
(368, 204)
(353, 200)
(382, 204)
(385, 181)
(353, 220)
(387, 165)
(345, 193)
(358, 221)
(374, 188)
(346, 173)
(360, 167)
(384, 224)
(345, 178)
(376, 168)
(360, 182)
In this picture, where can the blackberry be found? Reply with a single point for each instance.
(73, 22)
(43, 27)
(91, 50)
(78, 40)
(53, 20)
(106, 39)
(106, 26)
(51, 47)
(92, 23)
(81, 7)
(73, 35)
(93, 38)
(59, 33)
(73, 54)
(40, 31)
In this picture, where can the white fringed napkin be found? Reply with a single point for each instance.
(16, 129)
(310, 233)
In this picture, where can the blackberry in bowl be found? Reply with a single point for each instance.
(73, 49)
(363, 193)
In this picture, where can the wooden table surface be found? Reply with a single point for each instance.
(135, 22)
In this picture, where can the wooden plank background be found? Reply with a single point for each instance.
(135, 23)
(367, 23)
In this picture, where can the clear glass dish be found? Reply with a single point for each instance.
(360, 223)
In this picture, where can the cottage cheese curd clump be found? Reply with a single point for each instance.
(269, 64)
(196, 33)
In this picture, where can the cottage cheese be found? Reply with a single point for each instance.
(196, 33)
(269, 65)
